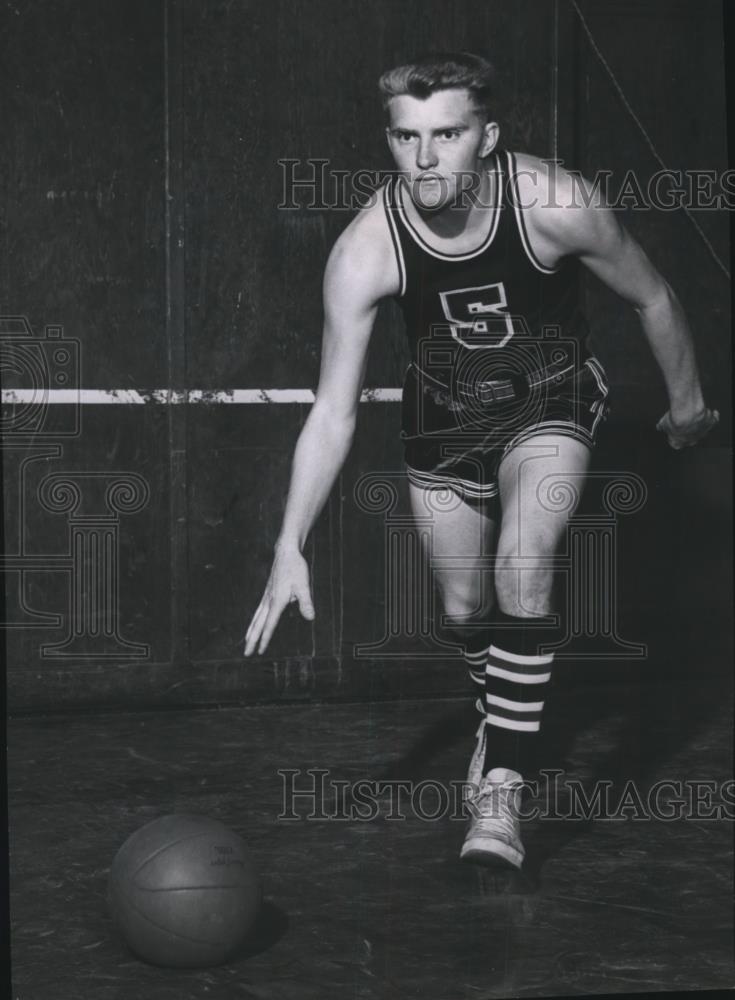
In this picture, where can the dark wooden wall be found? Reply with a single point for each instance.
(659, 103)
(142, 218)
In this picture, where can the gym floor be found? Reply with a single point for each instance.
(383, 908)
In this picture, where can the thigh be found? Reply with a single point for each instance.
(540, 480)
(458, 538)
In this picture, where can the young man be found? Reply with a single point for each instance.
(501, 402)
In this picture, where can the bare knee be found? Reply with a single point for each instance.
(461, 601)
(524, 576)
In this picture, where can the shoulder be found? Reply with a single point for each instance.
(548, 184)
(363, 257)
(560, 203)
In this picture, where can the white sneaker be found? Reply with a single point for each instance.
(494, 836)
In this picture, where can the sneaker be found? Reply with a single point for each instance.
(494, 836)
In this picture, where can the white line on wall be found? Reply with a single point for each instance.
(132, 396)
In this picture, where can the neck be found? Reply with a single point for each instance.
(466, 213)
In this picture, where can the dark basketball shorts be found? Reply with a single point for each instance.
(454, 436)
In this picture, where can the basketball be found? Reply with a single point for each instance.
(184, 892)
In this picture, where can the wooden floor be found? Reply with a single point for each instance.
(379, 909)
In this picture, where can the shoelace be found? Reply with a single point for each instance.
(499, 811)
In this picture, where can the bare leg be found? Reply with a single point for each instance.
(464, 530)
(540, 482)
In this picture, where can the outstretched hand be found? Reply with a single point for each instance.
(688, 432)
(288, 582)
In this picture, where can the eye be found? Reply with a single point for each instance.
(450, 133)
(404, 136)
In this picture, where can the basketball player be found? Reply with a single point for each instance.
(502, 400)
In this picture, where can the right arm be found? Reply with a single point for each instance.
(323, 445)
(358, 274)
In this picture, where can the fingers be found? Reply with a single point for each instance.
(256, 626)
(268, 615)
(306, 605)
(709, 420)
(713, 418)
(664, 426)
(680, 438)
(288, 582)
(263, 624)
(274, 614)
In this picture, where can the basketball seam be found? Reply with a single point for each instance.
(166, 930)
(166, 847)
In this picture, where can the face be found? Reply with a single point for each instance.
(438, 144)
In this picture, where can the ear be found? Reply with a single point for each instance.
(491, 134)
(387, 135)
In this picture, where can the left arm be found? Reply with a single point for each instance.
(594, 235)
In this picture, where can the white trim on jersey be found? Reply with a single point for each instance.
(596, 369)
(515, 198)
(495, 222)
(565, 428)
(594, 366)
(395, 239)
(435, 480)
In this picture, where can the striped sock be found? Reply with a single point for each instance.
(472, 632)
(476, 666)
(516, 682)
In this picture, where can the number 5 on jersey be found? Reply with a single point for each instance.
(478, 316)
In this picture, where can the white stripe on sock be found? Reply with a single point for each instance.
(515, 658)
(520, 678)
(516, 706)
(527, 727)
(480, 656)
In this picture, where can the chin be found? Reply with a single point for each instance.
(434, 207)
(432, 200)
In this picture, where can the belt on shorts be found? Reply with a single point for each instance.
(502, 390)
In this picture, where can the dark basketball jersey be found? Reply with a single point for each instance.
(496, 302)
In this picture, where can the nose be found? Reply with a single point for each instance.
(426, 158)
